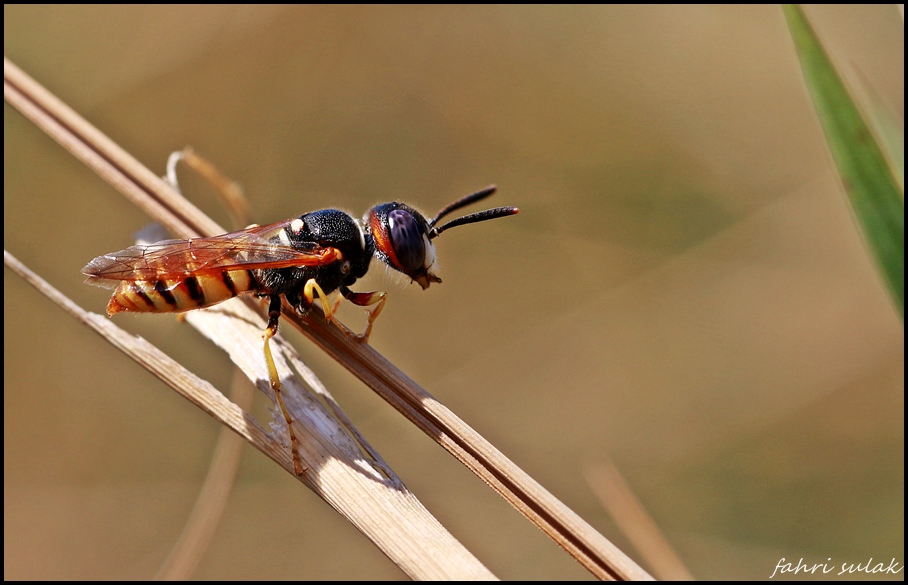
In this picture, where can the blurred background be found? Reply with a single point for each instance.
(684, 291)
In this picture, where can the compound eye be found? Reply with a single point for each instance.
(406, 240)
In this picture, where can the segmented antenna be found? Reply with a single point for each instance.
(473, 218)
(463, 202)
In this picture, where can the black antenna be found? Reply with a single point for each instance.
(463, 202)
(473, 217)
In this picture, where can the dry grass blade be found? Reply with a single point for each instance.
(211, 502)
(583, 542)
(632, 518)
(375, 501)
(197, 391)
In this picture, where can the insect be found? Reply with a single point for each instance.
(316, 253)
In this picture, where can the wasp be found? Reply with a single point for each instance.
(317, 253)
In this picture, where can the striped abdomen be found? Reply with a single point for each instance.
(178, 295)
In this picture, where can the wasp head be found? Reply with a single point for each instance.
(403, 237)
(402, 241)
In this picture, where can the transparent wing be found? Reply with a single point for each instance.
(253, 248)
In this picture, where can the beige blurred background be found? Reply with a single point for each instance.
(684, 290)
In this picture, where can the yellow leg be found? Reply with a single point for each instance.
(376, 298)
(273, 315)
(336, 304)
(309, 291)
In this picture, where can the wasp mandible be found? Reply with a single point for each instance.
(316, 253)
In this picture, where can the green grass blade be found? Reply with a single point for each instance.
(874, 192)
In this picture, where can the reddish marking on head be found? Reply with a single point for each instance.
(383, 239)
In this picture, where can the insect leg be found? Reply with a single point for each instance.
(274, 314)
(309, 291)
(364, 300)
(336, 304)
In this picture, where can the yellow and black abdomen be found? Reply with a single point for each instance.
(175, 295)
